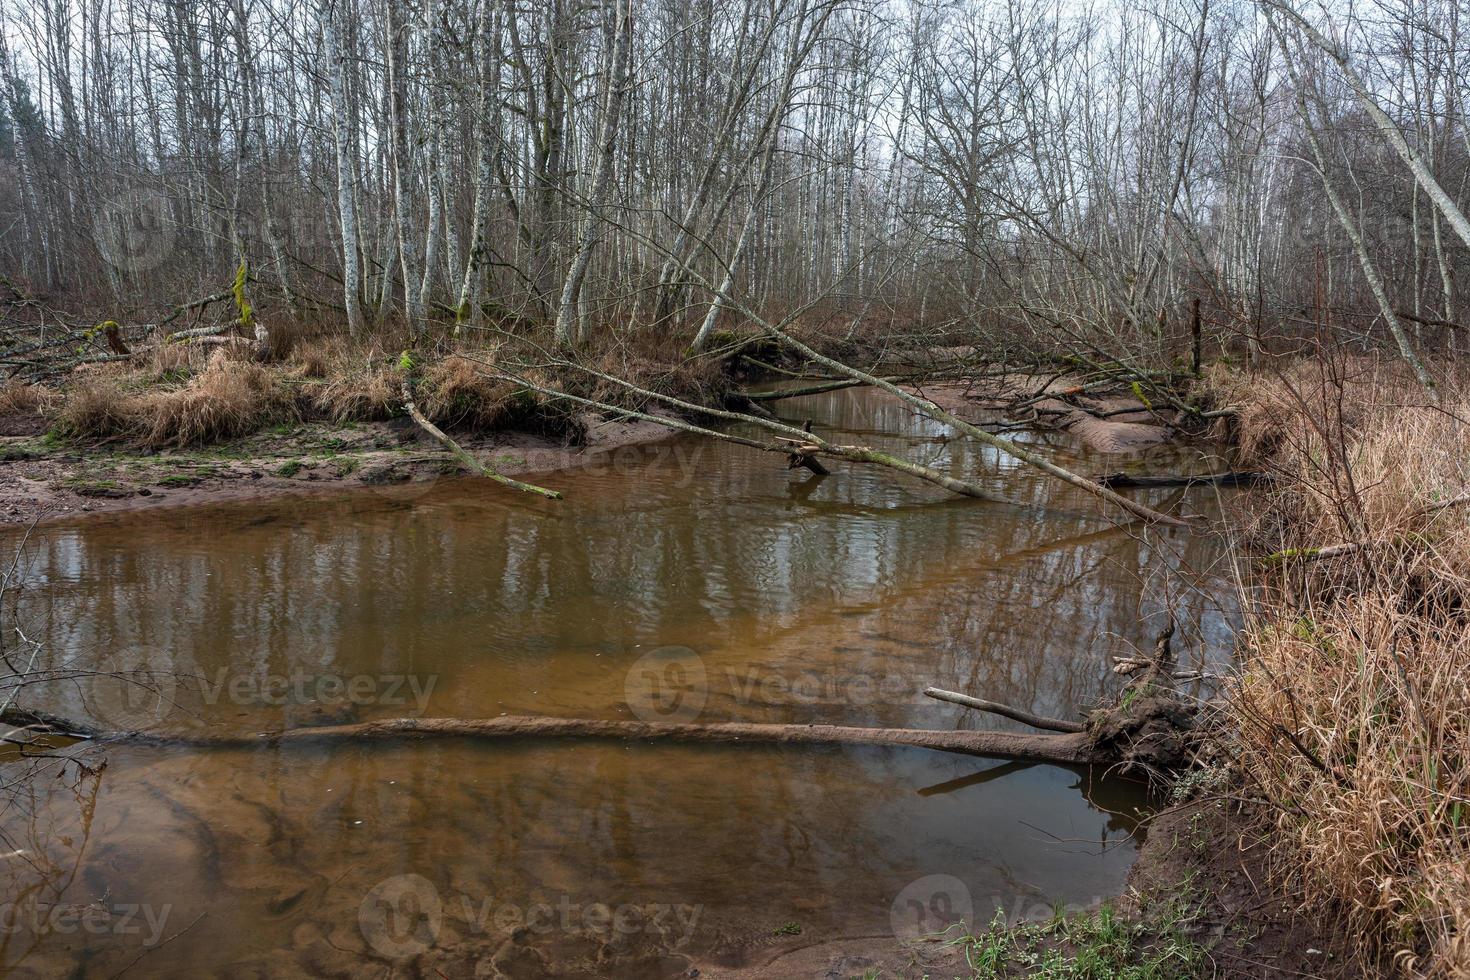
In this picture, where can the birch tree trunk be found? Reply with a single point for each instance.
(1355, 236)
(346, 199)
(1385, 125)
(612, 117)
(402, 163)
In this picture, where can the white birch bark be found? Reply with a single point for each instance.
(346, 200)
(612, 117)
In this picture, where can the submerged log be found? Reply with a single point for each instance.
(1072, 749)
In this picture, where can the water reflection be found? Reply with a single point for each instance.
(831, 600)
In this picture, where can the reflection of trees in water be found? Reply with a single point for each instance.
(44, 844)
(865, 577)
(757, 836)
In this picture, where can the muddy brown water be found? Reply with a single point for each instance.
(684, 580)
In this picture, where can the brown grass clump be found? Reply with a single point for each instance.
(313, 358)
(456, 392)
(361, 389)
(177, 362)
(1352, 709)
(98, 411)
(228, 399)
(19, 398)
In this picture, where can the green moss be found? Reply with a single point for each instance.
(242, 302)
(22, 451)
(87, 487)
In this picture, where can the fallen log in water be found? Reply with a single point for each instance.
(1072, 749)
(778, 394)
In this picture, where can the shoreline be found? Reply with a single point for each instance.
(46, 482)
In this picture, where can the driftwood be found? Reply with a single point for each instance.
(1005, 711)
(1230, 478)
(1072, 749)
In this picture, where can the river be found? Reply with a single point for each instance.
(689, 580)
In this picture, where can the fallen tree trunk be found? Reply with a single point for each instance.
(816, 389)
(929, 408)
(1072, 749)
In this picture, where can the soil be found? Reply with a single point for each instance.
(42, 479)
(1209, 853)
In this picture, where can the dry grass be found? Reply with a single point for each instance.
(1352, 711)
(456, 392)
(315, 359)
(182, 394)
(98, 411)
(175, 362)
(228, 399)
(18, 398)
(359, 387)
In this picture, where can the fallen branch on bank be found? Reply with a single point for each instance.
(1353, 547)
(458, 452)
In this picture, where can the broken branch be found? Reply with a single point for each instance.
(1005, 711)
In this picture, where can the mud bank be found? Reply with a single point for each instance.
(42, 479)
